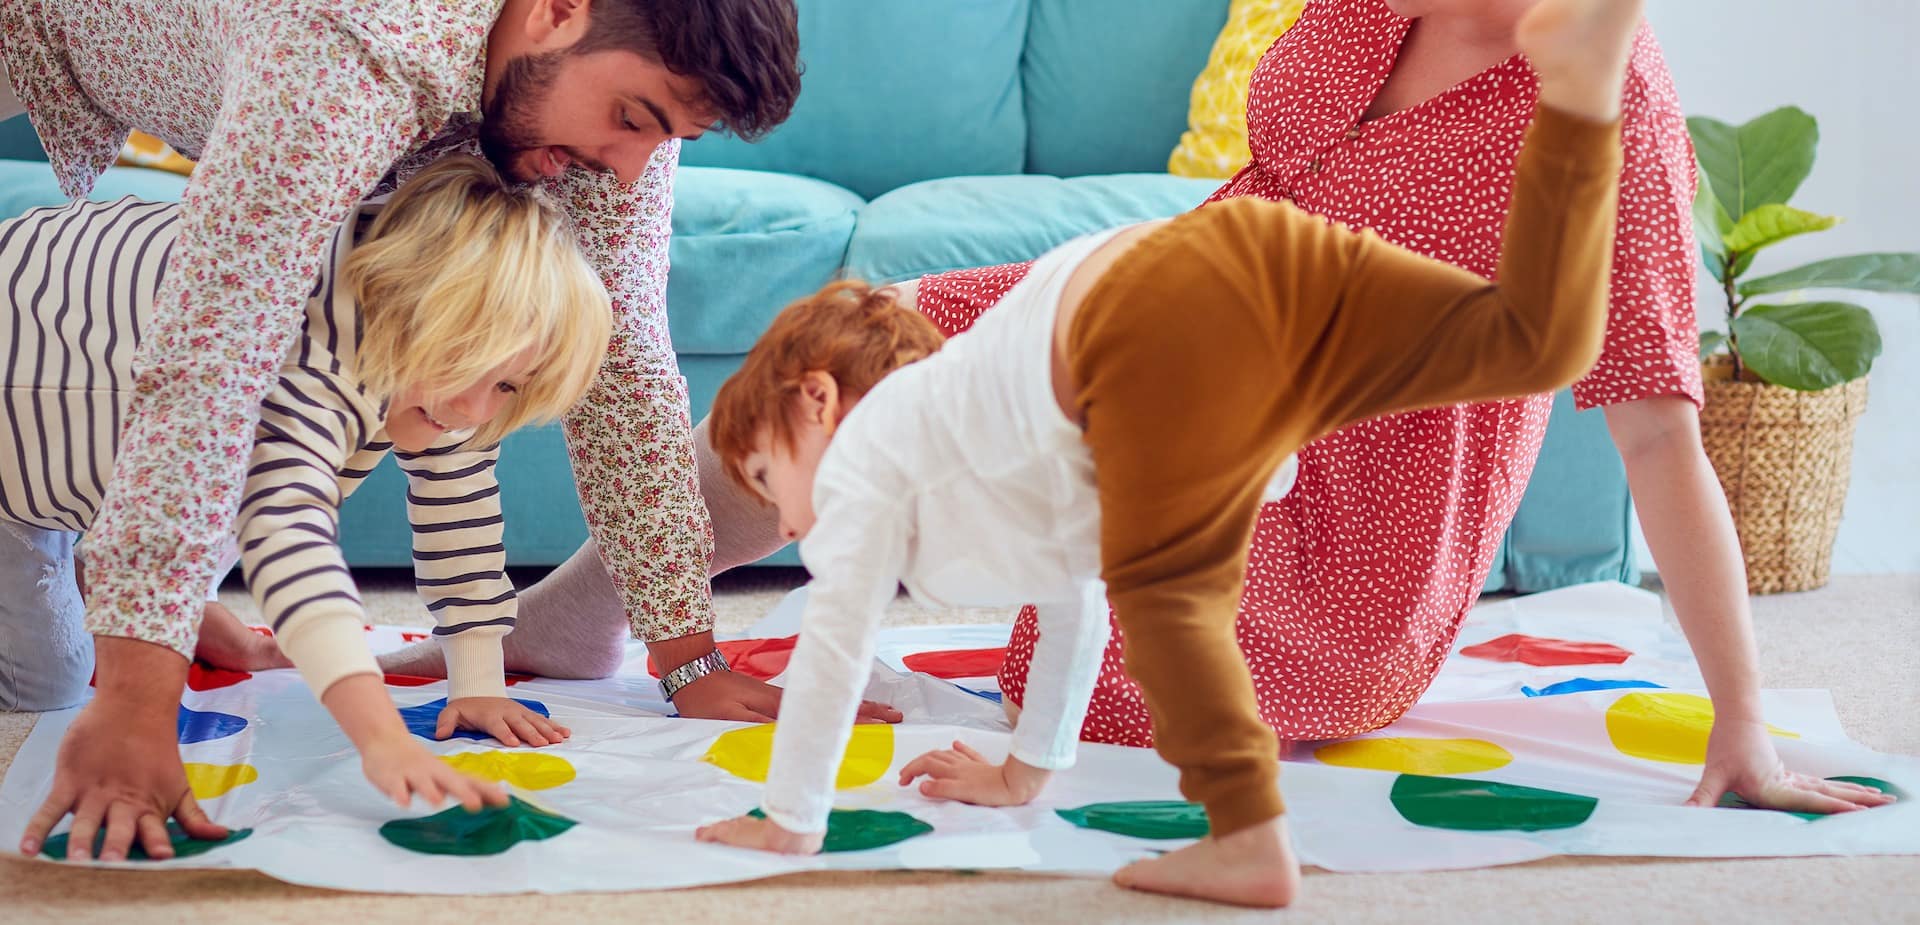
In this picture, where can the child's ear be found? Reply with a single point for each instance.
(820, 398)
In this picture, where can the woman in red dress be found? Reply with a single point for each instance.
(1405, 117)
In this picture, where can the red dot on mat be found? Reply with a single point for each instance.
(760, 659)
(1538, 650)
(409, 680)
(261, 630)
(958, 663)
(204, 677)
(515, 677)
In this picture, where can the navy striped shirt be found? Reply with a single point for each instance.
(79, 287)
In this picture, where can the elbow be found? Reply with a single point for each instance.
(1567, 348)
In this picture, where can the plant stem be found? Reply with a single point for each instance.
(1733, 311)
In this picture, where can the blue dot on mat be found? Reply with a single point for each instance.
(1577, 685)
(195, 726)
(423, 719)
(983, 695)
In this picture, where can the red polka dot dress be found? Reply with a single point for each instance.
(1358, 580)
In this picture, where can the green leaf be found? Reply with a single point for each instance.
(1710, 221)
(1742, 263)
(1710, 343)
(1807, 346)
(1770, 224)
(1864, 272)
(1761, 162)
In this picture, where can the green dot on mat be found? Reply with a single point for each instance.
(184, 846)
(1143, 819)
(1485, 806)
(489, 831)
(1735, 801)
(864, 829)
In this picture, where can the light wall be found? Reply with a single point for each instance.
(1852, 64)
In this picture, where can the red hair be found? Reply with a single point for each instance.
(849, 330)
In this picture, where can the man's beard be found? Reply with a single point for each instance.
(509, 126)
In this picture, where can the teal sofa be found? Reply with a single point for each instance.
(931, 135)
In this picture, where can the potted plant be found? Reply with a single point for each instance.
(1787, 381)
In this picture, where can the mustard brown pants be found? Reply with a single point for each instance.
(1227, 339)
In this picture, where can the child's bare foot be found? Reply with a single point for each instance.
(1252, 867)
(225, 642)
(1580, 50)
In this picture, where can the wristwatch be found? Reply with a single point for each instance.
(710, 663)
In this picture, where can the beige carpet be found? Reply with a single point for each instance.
(1859, 638)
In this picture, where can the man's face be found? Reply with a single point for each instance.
(602, 110)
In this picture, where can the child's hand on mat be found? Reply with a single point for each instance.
(501, 717)
(401, 767)
(760, 834)
(962, 774)
(1741, 759)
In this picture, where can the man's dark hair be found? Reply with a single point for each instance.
(744, 53)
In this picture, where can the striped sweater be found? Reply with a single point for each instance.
(79, 283)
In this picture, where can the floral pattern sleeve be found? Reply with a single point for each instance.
(283, 165)
(631, 438)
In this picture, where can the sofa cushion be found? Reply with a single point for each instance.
(896, 92)
(965, 222)
(745, 243)
(1215, 142)
(1575, 522)
(28, 185)
(1107, 81)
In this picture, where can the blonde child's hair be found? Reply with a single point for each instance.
(460, 273)
(853, 332)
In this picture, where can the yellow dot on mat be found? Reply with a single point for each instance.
(212, 780)
(527, 770)
(1666, 727)
(747, 753)
(1412, 755)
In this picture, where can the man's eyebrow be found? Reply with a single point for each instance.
(666, 123)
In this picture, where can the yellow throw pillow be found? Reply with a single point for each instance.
(1215, 142)
(144, 150)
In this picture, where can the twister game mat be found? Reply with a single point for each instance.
(1572, 722)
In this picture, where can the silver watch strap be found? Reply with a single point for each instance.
(710, 663)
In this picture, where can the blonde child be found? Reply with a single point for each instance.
(1126, 409)
(457, 312)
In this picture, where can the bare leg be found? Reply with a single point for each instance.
(572, 622)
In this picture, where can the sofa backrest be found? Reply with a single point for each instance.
(899, 91)
(18, 141)
(1107, 82)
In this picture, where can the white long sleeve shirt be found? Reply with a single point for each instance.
(987, 502)
(959, 477)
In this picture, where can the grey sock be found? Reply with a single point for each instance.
(572, 623)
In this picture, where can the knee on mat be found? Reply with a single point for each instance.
(48, 687)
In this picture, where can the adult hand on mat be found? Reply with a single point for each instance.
(1741, 759)
(503, 718)
(962, 774)
(400, 767)
(730, 695)
(119, 764)
(760, 834)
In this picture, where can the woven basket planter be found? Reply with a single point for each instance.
(1784, 459)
